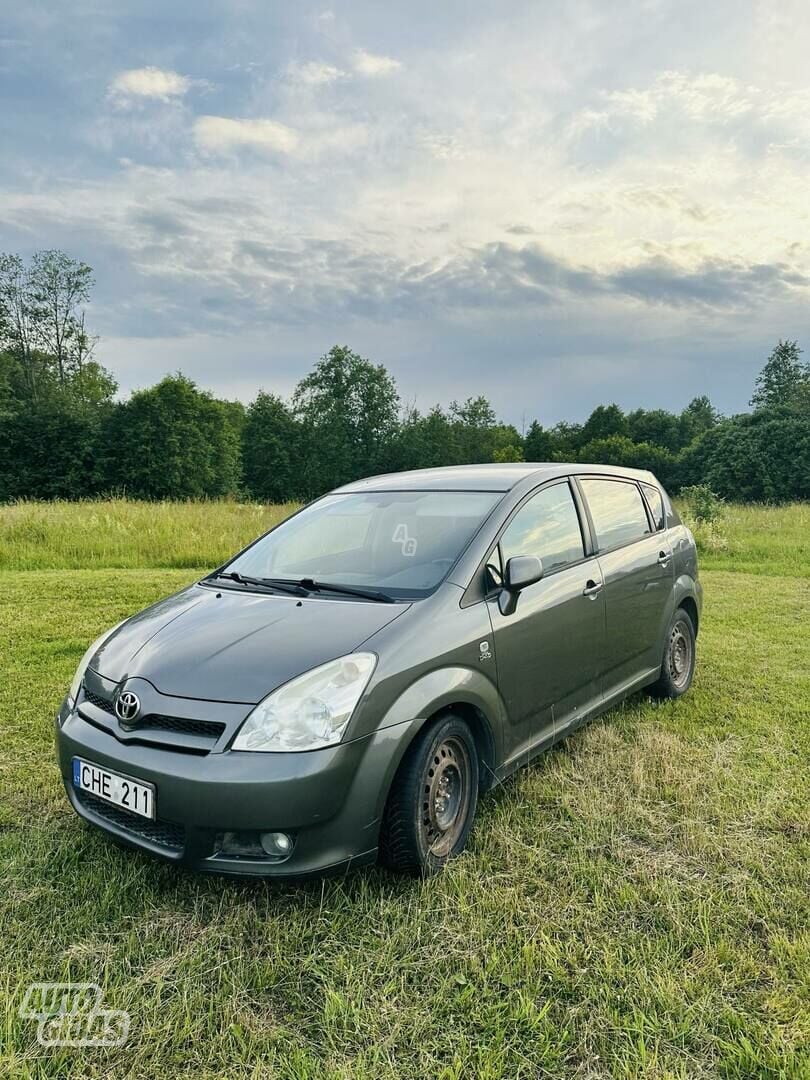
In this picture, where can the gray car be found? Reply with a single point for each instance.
(344, 688)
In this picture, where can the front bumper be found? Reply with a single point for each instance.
(329, 801)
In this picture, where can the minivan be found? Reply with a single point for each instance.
(346, 687)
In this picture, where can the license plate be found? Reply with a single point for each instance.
(112, 787)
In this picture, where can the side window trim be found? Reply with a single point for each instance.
(585, 528)
(585, 523)
(622, 480)
(650, 516)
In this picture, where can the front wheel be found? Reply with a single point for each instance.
(432, 801)
(678, 665)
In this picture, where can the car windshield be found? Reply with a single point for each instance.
(400, 542)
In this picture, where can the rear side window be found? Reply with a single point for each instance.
(656, 505)
(617, 510)
(546, 526)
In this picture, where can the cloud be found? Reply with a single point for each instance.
(315, 73)
(148, 82)
(330, 189)
(222, 134)
(707, 98)
(366, 63)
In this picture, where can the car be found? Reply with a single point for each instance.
(346, 687)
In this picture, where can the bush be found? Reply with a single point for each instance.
(702, 504)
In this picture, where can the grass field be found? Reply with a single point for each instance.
(635, 904)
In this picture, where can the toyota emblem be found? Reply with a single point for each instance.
(127, 706)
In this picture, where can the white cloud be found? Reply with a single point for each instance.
(366, 63)
(222, 134)
(385, 189)
(708, 98)
(315, 73)
(148, 82)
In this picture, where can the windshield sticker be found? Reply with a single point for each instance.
(401, 537)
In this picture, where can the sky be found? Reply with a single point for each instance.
(554, 205)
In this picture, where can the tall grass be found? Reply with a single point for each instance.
(119, 533)
(756, 539)
(124, 533)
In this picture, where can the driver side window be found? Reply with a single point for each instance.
(546, 526)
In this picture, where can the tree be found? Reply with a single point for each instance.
(47, 450)
(762, 459)
(473, 425)
(270, 450)
(538, 444)
(42, 325)
(619, 450)
(656, 426)
(91, 385)
(694, 460)
(698, 417)
(566, 441)
(509, 452)
(348, 409)
(172, 441)
(423, 441)
(781, 380)
(604, 421)
(507, 443)
(18, 320)
(58, 285)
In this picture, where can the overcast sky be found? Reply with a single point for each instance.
(553, 204)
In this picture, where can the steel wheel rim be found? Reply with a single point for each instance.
(445, 796)
(680, 653)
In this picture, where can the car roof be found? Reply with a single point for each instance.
(496, 477)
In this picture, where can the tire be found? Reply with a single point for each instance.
(432, 801)
(678, 663)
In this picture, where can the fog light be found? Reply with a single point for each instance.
(277, 844)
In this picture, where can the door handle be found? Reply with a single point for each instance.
(592, 587)
(664, 557)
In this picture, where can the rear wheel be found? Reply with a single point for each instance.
(432, 801)
(678, 665)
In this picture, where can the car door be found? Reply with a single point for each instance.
(549, 649)
(637, 568)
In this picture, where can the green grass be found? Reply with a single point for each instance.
(121, 532)
(128, 534)
(758, 540)
(635, 904)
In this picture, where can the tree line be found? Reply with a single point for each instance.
(63, 434)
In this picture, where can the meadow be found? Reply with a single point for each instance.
(634, 904)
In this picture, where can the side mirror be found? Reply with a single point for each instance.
(520, 572)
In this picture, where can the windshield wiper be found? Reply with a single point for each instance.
(263, 583)
(346, 590)
(305, 586)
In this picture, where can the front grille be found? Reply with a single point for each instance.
(211, 728)
(162, 833)
(99, 702)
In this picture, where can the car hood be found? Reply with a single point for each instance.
(229, 645)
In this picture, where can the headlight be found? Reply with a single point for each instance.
(75, 686)
(310, 711)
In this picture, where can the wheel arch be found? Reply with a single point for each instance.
(689, 605)
(479, 725)
(464, 692)
(686, 596)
